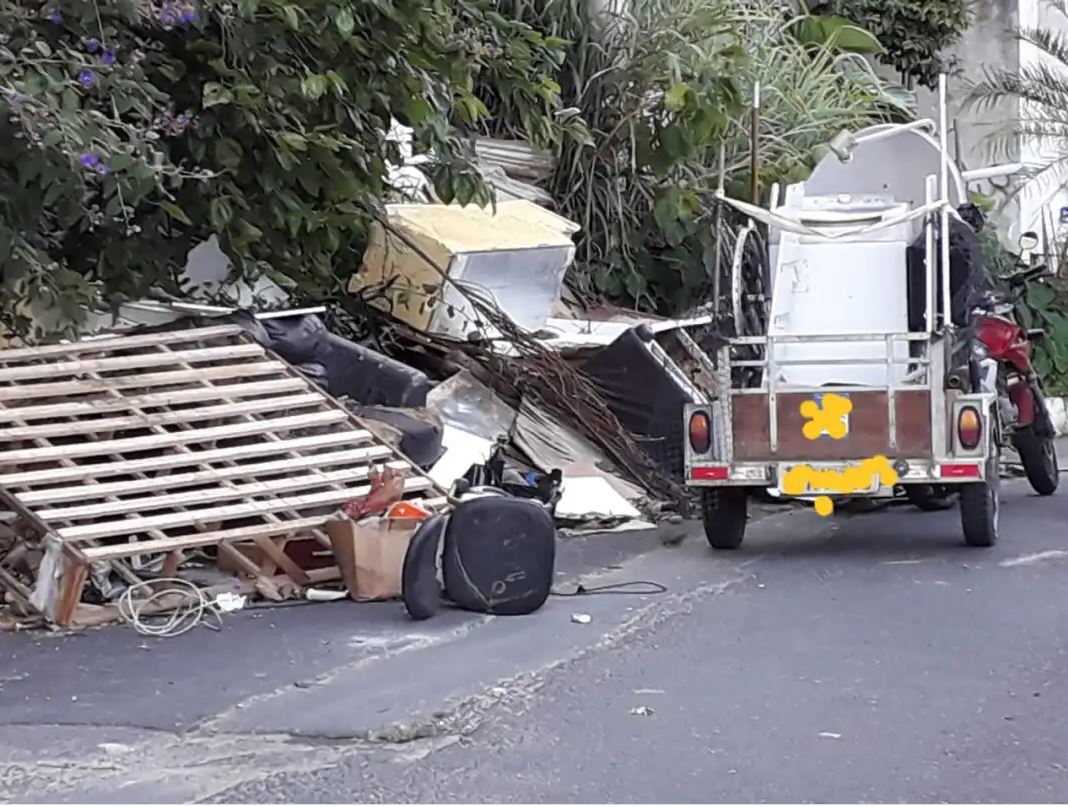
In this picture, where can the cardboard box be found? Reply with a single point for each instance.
(370, 554)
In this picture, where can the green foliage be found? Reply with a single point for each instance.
(129, 131)
(1045, 305)
(661, 90)
(913, 33)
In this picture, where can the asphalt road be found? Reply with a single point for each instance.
(859, 658)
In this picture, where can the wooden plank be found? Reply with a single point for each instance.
(188, 518)
(92, 448)
(292, 527)
(163, 461)
(99, 425)
(86, 386)
(264, 586)
(144, 504)
(110, 403)
(87, 491)
(119, 343)
(241, 350)
(70, 593)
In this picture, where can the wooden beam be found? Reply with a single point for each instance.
(118, 343)
(164, 461)
(190, 518)
(92, 448)
(96, 406)
(293, 527)
(89, 385)
(91, 491)
(144, 421)
(270, 487)
(24, 372)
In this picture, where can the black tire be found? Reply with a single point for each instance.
(1039, 457)
(929, 498)
(980, 502)
(724, 512)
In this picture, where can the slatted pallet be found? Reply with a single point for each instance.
(123, 449)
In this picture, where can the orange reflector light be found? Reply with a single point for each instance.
(969, 427)
(700, 433)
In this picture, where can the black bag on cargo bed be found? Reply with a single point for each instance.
(499, 555)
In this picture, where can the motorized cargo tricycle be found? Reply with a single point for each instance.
(886, 363)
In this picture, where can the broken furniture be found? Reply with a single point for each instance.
(123, 457)
(515, 256)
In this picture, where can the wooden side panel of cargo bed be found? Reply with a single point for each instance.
(869, 428)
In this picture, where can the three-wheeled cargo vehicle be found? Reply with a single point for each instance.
(872, 373)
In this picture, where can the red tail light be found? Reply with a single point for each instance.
(969, 427)
(700, 433)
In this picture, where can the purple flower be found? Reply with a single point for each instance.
(90, 160)
(87, 78)
(109, 57)
(188, 15)
(92, 45)
(167, 17)
(55, 18)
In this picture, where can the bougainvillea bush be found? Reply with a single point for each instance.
(131, 130)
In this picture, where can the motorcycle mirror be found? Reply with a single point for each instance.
(1028, 240)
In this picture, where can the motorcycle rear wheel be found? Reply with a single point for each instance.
(1039, 457)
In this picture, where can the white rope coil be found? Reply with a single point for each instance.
(192, 609)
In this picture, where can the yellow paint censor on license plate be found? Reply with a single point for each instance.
(841, 479)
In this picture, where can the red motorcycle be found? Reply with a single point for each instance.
(1001, 363)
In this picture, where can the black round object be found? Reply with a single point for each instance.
(420, 589)
(1039, 456)
(499, 555)
(725, 512)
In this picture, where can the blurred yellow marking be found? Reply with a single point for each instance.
(830, 419)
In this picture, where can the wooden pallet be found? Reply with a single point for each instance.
(122, 450)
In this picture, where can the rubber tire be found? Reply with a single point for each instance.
(724, 512)
(926, 498)
(1039, 457)
(980, 502)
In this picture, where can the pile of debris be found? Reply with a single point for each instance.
(218, 448)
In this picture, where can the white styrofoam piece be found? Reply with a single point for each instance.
(462, 450)
(586, 497)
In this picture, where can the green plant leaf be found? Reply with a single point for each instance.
(215, 94)
(313, 87)
(345, 21)
(228, 153)
(675, 98)
(220, 214)
(176, 213)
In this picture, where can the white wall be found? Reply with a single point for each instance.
(1042, 199)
